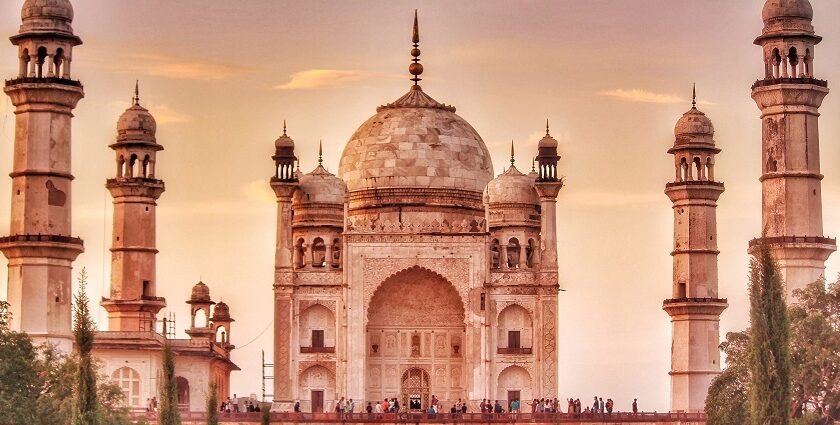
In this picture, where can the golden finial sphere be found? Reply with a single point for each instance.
(415, 69)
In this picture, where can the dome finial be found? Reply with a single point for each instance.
(694, 96)
(415, 68)
(546, 128)
(137, 92)
(284, 127)
(320, 152)
(512, 159)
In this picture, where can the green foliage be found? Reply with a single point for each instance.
(265, 418)
(213, 403)
(728, 399)
(37, 383)
(85, 404)
(815, 347)
(20, 385)
(769, 354)
(168, 413)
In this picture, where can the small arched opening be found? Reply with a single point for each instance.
(183, 392)
(42, 59)
(513, 252)
(495, 254)
(776, 61)
(335, 260)
(698, 166)
(531, 254)
(120, 166)
(146, 161)
(515, 330)
(319, 253)
(199, 318)
(128, 380)
(24, 64)
(685, 171)
(317, 330)
(58, 62)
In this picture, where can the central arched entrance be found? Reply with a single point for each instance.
(415, 336)
(416, 387)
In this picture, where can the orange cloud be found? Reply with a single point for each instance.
(641, 96)
(179, 67)
(320, 78)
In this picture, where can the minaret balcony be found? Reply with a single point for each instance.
(695, 306)
(44, 80)
(56, 246)
(789, 80)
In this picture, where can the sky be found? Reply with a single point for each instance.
(612, 76)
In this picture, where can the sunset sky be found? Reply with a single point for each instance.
(612, 76)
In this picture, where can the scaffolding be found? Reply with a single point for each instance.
(266, 367)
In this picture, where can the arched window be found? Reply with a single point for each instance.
(199, 318)
(146, 166)
(300, 254)
(24, 64)
(699, 168)
(317, 329)
(336, 253)
(793, 59)
(183, 392)
(684, 170)
(221, 335)
(132, 164)
(710, 169)
(515, 330)
(42, 59)
(319, 253)
(495, 255)
(530, 254)
(129, 382)
(58, 61)
(513, 252)
(809, 59)
(121, 166)
(776, 60)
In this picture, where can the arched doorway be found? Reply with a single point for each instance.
(183, 392)
(415, 389)
(415, 323)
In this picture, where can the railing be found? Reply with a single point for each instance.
(773, 81)
(48, 80)
(695, 300)
(41, 238)
(310, 350)
(695, 183)
(512, 350)
(793, 239)
(415, 417)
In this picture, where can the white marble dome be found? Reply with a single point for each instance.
(787, 9)
(60, 9)
(694, 127)
(136, 124)
(320, 187)
(416, 142)
(512, 187)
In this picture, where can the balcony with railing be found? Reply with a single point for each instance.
(317, 350)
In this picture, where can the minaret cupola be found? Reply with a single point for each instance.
(284, 158)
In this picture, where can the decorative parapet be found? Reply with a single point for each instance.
(317, 278)
(425, 227)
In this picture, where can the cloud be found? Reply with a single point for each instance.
(179, 67)
(641, 96)
(320, 78)
(259, 191)
(165, 115)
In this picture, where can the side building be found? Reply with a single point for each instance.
(131, 350)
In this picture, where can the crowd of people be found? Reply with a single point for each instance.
(574, 407)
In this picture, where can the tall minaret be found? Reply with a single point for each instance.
(548, 186)
(694, 305)
(789, 98)
(133, 303)
(40, 247)
(284, 183)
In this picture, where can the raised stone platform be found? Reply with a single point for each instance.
(469, 418)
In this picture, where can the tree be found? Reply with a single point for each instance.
(85, 404)
(728, 399)
(213, 403)
(265, 418)
(19, 380)
(168, 411)
(769, 354)
(815, 346)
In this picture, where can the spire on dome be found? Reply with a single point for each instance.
(415, 68)
(694, 96)
(320, 152)
(284, 127)
(512, 153)
(137, 92)
(547, 128)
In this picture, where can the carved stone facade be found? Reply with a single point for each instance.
(414, 273)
